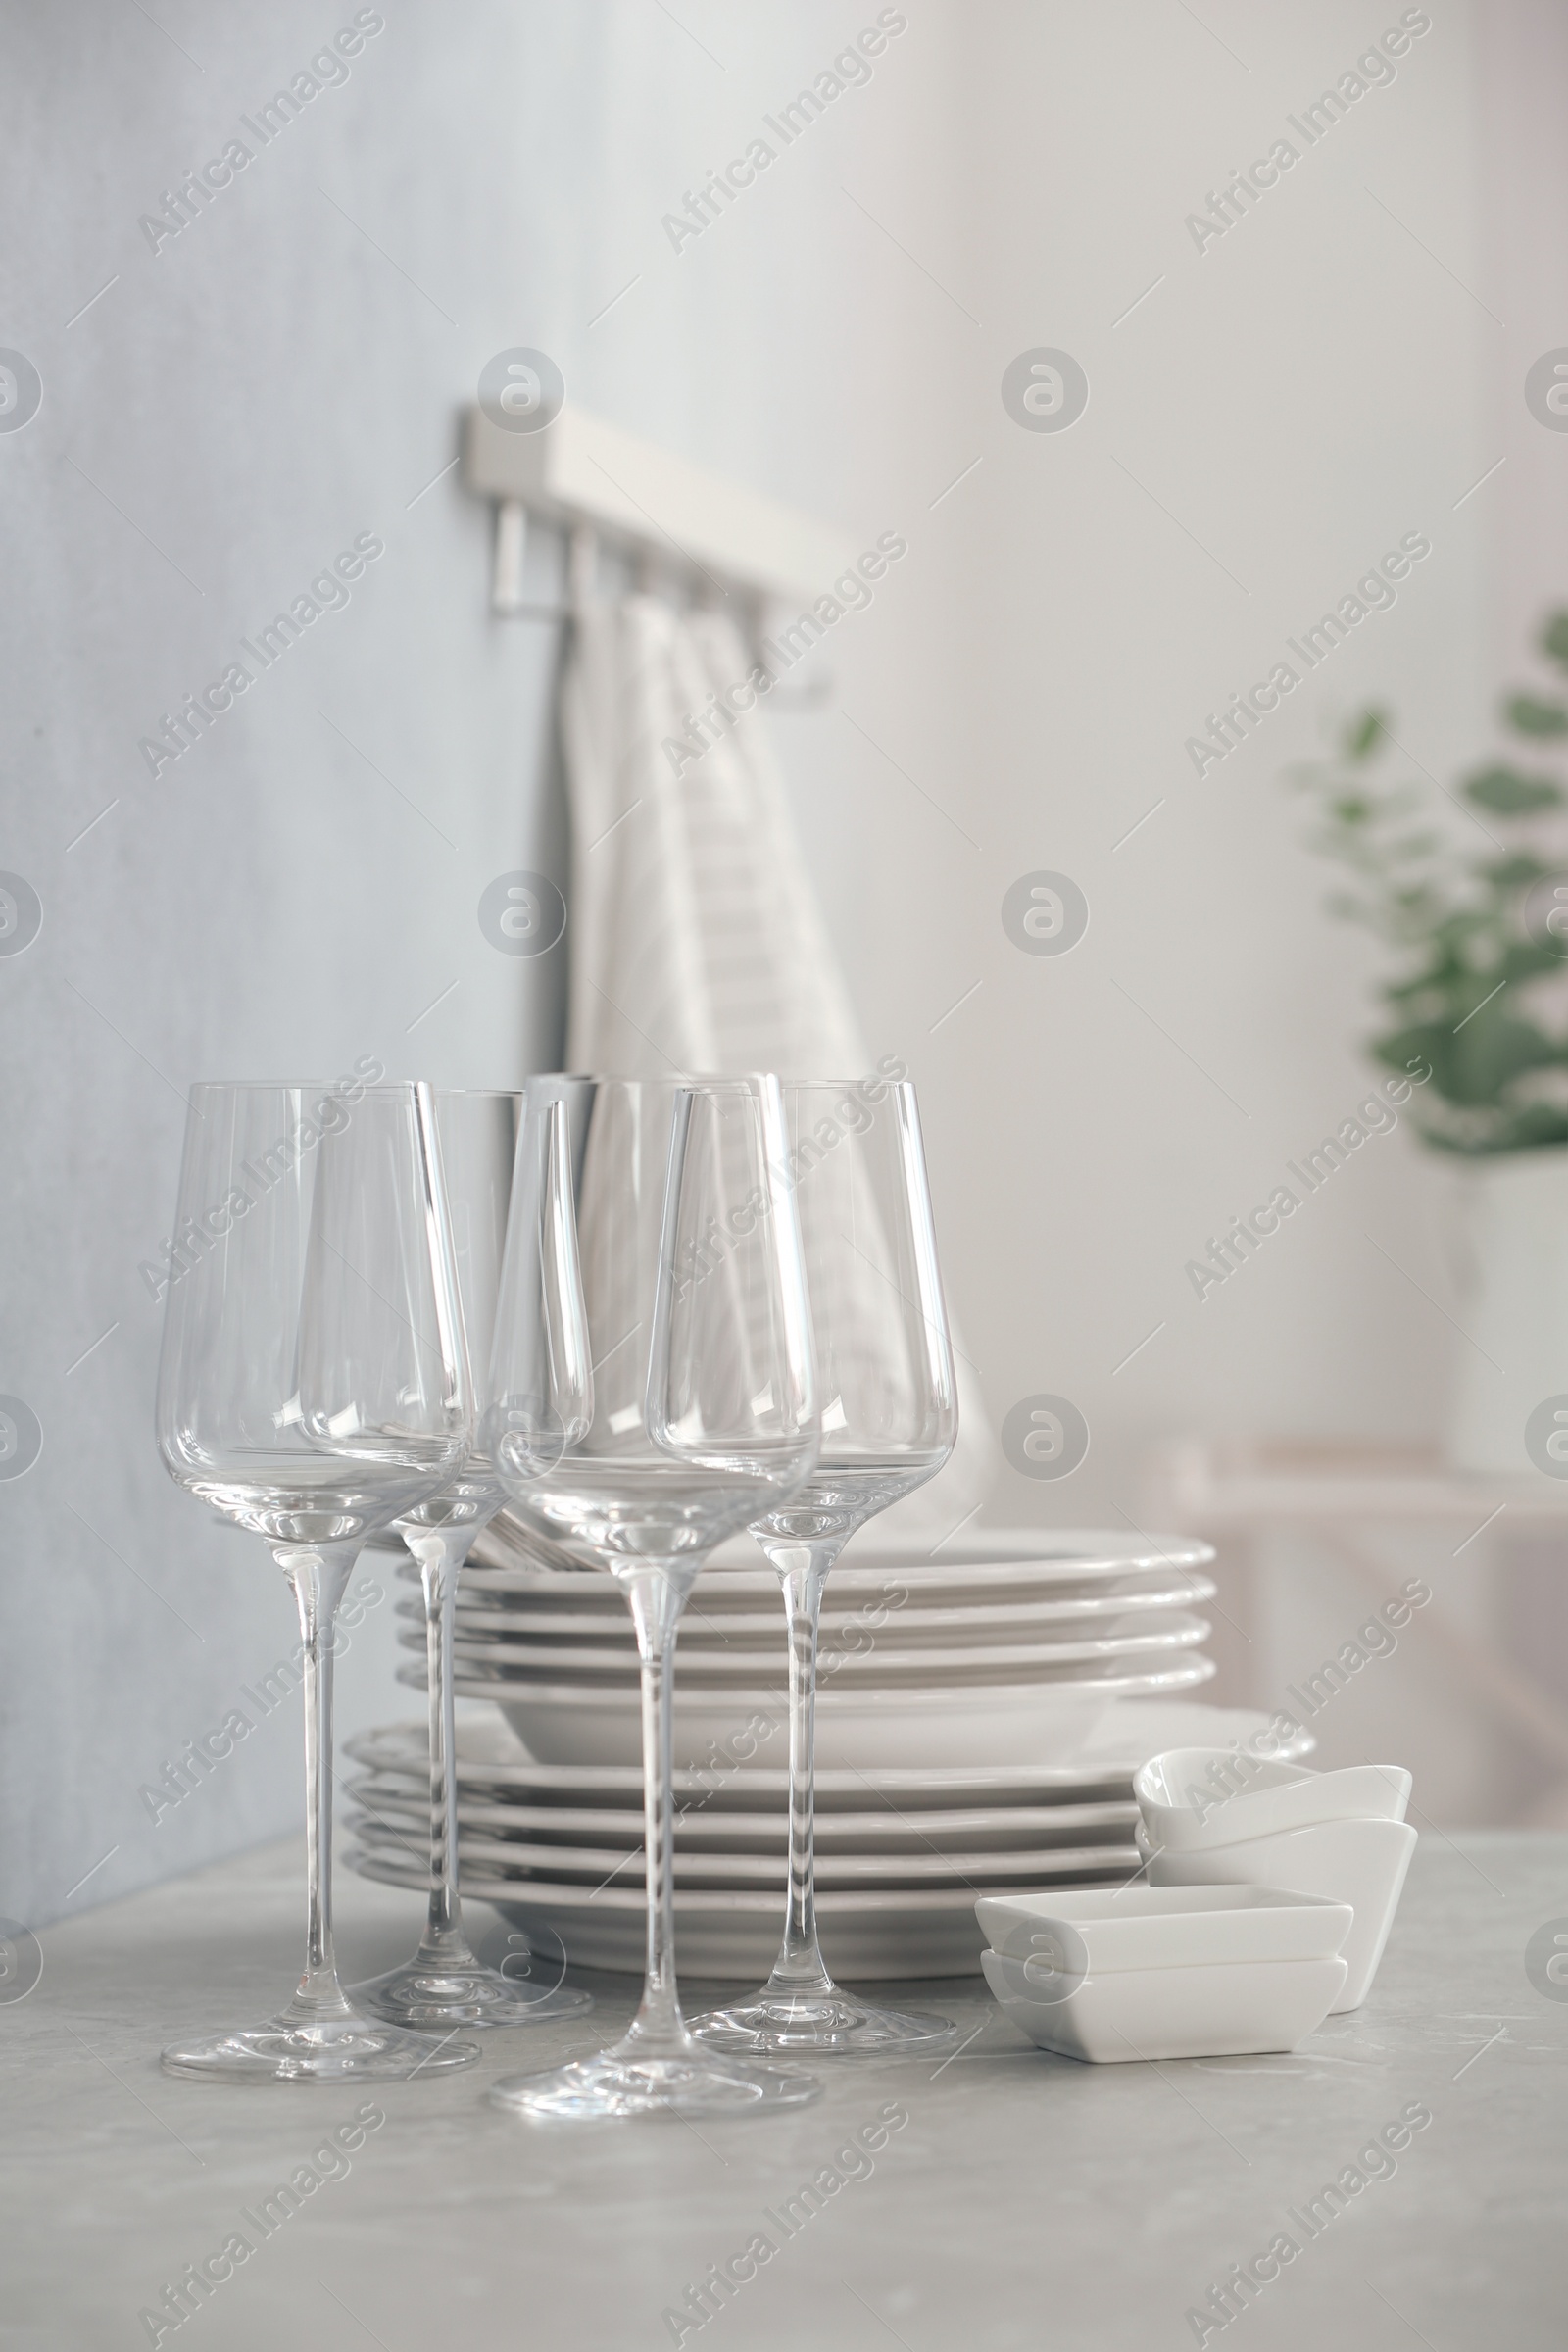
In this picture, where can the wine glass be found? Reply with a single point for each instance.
(313, 1387)
(890, 1415)
(444, 1983)
(653, 1391)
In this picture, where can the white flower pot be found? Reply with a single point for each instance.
(1512, 1305)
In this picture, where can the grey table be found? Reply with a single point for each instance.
(1024, 2201)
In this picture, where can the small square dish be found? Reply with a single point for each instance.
(1221, 2010)
(1096, 1932)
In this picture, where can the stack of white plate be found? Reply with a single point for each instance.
(1008, 1654)
(902, 1854)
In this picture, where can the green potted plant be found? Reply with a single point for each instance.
(1470, 891)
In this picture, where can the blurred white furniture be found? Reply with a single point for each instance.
(1238, 1493)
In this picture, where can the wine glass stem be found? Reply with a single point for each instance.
(656, 1599)
(319, 1574)
(440, 1553)
(798, 1967)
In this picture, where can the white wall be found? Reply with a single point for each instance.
(280, 378)
(1287, 401)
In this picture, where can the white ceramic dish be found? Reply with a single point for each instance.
(1005, 1618)
(980, 1545)
(733, 1934)
(509, 1550)
(1039, 1723)
(950, 1579)
(1185, 1808)
(572, 1725)
(492, 1762)
(596, 1865)
(1362, 1863)
(1002, 1829)
(882, 1654)
(1228, 2010)
(1161, 1928)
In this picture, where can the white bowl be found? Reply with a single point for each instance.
(1041, 1724)
(1184, 1800)
(1226, 2010)
(1100, 1934)
(1361, 1863)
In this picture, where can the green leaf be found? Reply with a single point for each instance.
(1539, 1125)
(1516, 872)
(1506, 792)
(1522, 959)
(1473, 1062)
(1531, 717)
(1554, 639)
(1364, 735)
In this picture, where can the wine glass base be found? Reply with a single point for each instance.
(829, 2025)
(613, 2084)
(341, 2048)
(428, 1996)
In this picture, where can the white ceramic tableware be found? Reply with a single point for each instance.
(1223, 2010)
(1002, 1828)
(1362, 1863)
(715, 1620)
(730, 1932)
(1202, 1797)
(739, 1796)
(593, 1865)
(1033, 1722)
(1032, 1551)
(880, 1656)
(1158, 1927)
(491, 1761)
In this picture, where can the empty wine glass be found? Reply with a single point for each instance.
(444, 1983)
(313, 1386)
(652, 1390)
(890, 1415)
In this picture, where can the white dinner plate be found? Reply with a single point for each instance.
(592, 1865)
(881, 1657)
(505, 1548)
(479, 1613)
(402, 1805)
(944, 1582)
(734, 1934)
(1018, 1829)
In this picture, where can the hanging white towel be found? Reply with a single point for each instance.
(697, 939)
(697, 942)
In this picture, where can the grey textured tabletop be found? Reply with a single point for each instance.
(1022, 2200)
